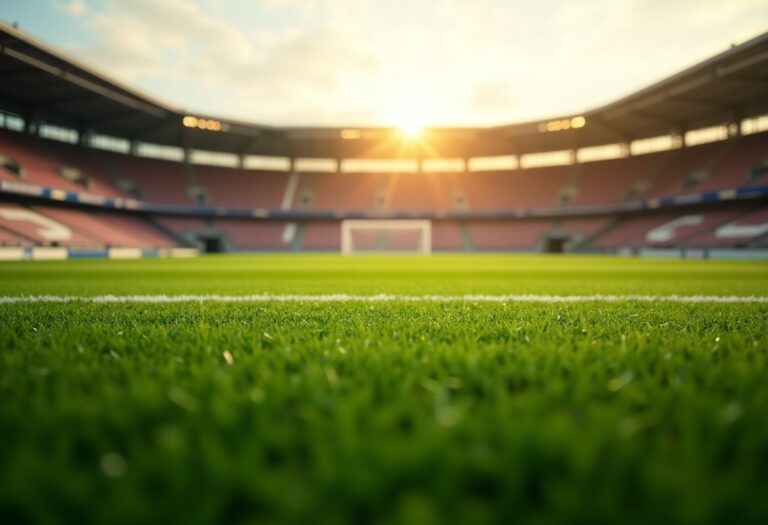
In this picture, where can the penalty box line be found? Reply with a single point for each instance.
(380, 298)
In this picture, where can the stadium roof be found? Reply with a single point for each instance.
(42, 83)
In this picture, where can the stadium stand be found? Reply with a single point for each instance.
(109, 229)
(508, 235)
(9, 239)
(536, 187)
(663, 229)
(749, 228)
(242, 188)
(614, 180)
(145, 234)
(629, 231)
(54, 192)
(341, 191)
(682, 227)
(720, 165)
(42, 229)
(156, 180)
(447, 235)
(322, 235)
(421, 191)
(584, 228)
(247, 234)
(683, 168)
(36, 166)
(740, 165)
(94, 174)
(181, 226)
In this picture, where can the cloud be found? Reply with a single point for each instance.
(370, 62)
(491, 97)
(303, 6)
(145, 37)
(74, 8)
(270, 73)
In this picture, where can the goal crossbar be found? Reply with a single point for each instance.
(423, 226)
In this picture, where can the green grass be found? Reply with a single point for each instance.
(384, 412)
(446, 274)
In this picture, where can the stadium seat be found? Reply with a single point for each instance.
(496, 190)
(240, 188)
(339, 191)
(160, 181)
(741, 231)
(110, 230)
(181, 225)
(447, 235)
(42, 229)
(88, 162)
(322, 235)
(681, 167)
(585, 226)
(734, 168)
(8, 238)
(508, 235)
(610, 181)
(38, 166)
(421, 191)
(253, 235)
(665, 229)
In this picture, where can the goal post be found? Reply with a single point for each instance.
(386, 236)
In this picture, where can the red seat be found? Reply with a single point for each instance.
(499, 190)
(683, 163)
(323, 235)
(608, 181)
(39, 167)
(160, 181)
(500, 235)
(242, 188)
(733, 169)
(247, 234)
(42, 229)
(736, 232)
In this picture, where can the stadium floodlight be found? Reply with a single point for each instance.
(386, 236)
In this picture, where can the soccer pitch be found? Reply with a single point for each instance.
(440, 402)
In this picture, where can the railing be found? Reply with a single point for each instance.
(16, 188)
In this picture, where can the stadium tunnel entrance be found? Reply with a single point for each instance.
(556, 244)
(212, 245)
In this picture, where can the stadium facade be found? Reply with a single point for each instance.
(91, 167)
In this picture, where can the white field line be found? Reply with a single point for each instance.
(380, 298)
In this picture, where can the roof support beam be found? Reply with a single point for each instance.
(620, 132)
(727, 70)
(130, 102)
(19, 71)
(748, 79)
(695, 101)
(654, 117)
(143, 131)
(113, 117)
(68, 100)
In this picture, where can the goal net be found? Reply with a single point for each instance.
(386, 236)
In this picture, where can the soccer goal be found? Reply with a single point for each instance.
(386, 236)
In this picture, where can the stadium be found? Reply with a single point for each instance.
(677, 166)
(212, 320)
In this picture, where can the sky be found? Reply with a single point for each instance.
(389, 62)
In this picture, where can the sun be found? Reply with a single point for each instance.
(408, 116)
(411, 130)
